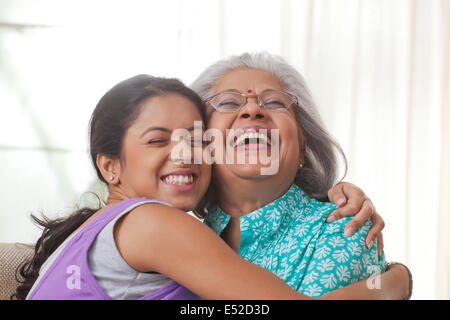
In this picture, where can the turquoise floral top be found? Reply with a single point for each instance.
(291, 238)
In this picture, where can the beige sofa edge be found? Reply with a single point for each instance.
(12, 255)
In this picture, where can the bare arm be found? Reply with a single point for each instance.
(394, 285)
(166, 240)
(158, 238)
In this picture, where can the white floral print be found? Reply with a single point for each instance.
(291, 238)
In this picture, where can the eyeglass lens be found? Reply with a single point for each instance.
(232, 101)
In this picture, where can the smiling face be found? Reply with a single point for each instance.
(252, 117)
(147, 168)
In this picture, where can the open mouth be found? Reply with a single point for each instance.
(179, 179)
(252, 137)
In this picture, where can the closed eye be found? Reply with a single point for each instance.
(275, 103)
(157, 141)
(228, 103)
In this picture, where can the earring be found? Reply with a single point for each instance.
(111, 178)
(301, 165)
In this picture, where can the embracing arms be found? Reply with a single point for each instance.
(352, 201)
(394, 285)
(155, 237)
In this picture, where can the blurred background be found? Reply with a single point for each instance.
(379, 71)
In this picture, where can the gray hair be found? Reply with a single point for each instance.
(319, 170)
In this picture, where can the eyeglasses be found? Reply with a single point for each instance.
(232, 101)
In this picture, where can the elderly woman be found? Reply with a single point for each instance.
(279, 220)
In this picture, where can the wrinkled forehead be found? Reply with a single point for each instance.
(245, 79)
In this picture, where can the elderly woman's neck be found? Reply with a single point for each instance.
(248, 195)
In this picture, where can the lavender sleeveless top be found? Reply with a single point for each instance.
(69, 276)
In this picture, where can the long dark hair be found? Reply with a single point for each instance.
(113, 115)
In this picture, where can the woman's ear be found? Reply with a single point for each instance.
(110, 168)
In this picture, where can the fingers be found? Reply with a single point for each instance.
(351, 200)
(354, 199)
(375, 231)
(349, 209)
(337, 196)
(359, 219)
(380, 243)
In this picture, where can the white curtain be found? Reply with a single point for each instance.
(443, 248)
(379, 71)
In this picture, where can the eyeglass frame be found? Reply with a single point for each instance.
(249, 95)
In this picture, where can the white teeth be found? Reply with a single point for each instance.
(179, 180)
(252, 135)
